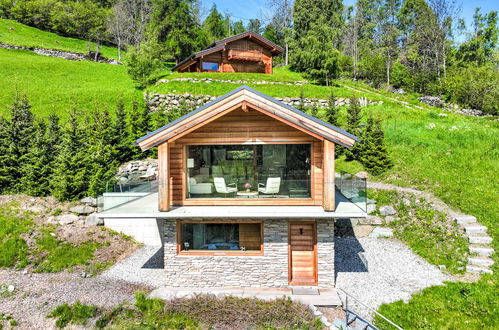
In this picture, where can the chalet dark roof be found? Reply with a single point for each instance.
(220, 44)
(243, 87)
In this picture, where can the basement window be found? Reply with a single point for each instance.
(210, 66)
(220, 238)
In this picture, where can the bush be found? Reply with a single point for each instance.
(144, 62)
(475, 87)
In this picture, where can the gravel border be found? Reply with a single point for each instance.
(378, 271)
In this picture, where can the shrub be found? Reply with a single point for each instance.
(475, 87)
(144, 62)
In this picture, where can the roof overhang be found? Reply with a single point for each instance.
(244, 97)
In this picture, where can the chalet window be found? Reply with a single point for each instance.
(249, 171)
(220, 238)
(210, 66)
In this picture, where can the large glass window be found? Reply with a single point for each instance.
(249, 171)
(235, 237)
(210, 66)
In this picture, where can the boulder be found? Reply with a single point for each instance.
(90, 201)
(379, 232)
(93, 220)
(362, 230)
(371, 208)
(362, 175)
(389, 219)
(387, 210)
(67, 219)
(371, 220)
(82, 209)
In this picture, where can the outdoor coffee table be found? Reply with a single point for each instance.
(248, 194)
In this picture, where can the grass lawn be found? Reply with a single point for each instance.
(14, 33)
(457, 305)
(281, 74)
(53, 84)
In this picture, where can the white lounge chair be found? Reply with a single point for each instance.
(223, 188)
(272, 187)
(201, 188)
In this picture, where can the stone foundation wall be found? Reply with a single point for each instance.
(269, 270)
(167, 102)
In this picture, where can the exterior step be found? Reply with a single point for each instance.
(479, 239)
(480, 261)
(475, 229)
(464, 219)
(478, 270)
(481, 251)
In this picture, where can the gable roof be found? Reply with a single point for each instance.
(220, 44)
(254, 99)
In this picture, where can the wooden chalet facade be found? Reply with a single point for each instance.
(245, 52)
(247, 190)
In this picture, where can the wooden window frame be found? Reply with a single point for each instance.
(271, 201)
(219, 253)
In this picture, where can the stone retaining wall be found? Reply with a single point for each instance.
(241, 82)
(269, 270)
(71, 56)
(167, 102)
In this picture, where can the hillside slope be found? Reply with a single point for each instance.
(14, 33)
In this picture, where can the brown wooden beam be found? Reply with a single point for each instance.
(328, 202)
(164, 177)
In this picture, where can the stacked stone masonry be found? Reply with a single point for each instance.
(167, 102)
(269, 270)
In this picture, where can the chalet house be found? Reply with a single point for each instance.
(246, 195)
(245, 52)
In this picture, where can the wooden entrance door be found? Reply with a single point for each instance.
(302, 253)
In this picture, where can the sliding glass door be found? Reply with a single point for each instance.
(249, 171)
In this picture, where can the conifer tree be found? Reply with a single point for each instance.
(102, 152)
(36, 169)
(72, 172)
(5, 160)
(374, 155)
(139, 122)
(353, 127)
(332, 114)
(20, 137)
(120, 136)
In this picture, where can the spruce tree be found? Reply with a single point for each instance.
(353, 127)
(120, 134)
(6, 177)
(332, 113)
(374, 155)
(102, 152)
(71, 174)
(139, 123)
(20, 134)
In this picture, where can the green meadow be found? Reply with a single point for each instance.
(14, 33)
(54, 84)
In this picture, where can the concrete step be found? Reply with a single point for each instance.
(478, 270)
(464, 219)
(480, 261)
(479, 239)
(474, 228)
(481, 250)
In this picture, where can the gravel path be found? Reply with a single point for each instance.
(145, 267)
(36, 295)
(378, 271)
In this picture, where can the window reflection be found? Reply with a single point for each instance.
(249, 171)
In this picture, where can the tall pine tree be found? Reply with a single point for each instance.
(72, 171)
(374, 154)
(354, 127)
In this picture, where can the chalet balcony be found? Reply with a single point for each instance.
(245, 55)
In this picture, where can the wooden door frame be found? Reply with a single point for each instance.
(316, 279)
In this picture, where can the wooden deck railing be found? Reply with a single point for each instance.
(245, 55)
